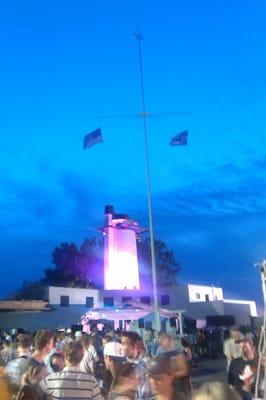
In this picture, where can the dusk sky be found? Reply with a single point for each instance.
(65, 63)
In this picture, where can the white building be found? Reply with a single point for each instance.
(67, 305)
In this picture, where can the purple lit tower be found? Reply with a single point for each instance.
(121, 270)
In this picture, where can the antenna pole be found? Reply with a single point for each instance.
(144, 115)
(262, 341)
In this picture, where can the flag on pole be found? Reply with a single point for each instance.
(92, 138)
(180, 139)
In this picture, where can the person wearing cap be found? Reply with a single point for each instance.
(113, 354)
(239, 376)
(162, 375)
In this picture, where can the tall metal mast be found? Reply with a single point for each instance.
(144, 115)
(262, 341)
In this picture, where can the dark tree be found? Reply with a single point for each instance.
(65, 257)
(91, 262)
(76, 267)
(167, 267)
(30, 290)
(83, 267)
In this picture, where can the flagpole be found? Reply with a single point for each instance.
(144, 115)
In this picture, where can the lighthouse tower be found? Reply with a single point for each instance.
(121, 270)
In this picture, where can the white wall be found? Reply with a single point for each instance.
(181, 297)
(178, 296)
(197, 293)
(76, 296)
(241, 312)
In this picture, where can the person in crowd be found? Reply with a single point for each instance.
(162, 375)
(114, 336)
(78, 335)
(67, 338)
(30, 389)
(62, 339)
(133, 346)
(201, 343)
(167, 343)
(148, 339)
(102, 374)
(187, 349)
(71, 382)
(4, 387)
(232, 347)
(57, 362)
(169, 348)
(19, 365)
(96, 340)
(154, 345)
(216, 344)
(106, 339)
(90, 359)
(47, 360)
(189, 358)
(7, 353)
(256, 338)
(43, 344)
(242, 370)
(113, 356)
(59, 343)
(215, 391)
(125, 382)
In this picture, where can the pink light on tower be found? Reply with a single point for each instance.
(121, 270)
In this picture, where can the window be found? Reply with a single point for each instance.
(141, 323)
(165, 300)
(108, 301)
(89, 302)
(64, 301)
(148, 325)
(126, 299)
(145, 299)
(197, 295)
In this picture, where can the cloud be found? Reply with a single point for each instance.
(83, 194)
(228, 189)
(224, 209)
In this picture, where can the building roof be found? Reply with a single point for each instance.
(14, 305)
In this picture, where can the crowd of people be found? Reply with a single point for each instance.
(122, 365)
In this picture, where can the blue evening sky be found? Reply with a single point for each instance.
(64, 63)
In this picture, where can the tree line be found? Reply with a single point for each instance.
(82, 267)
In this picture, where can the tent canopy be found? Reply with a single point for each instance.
(127, 311)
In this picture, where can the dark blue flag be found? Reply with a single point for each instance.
(92, 138)
(180, 139)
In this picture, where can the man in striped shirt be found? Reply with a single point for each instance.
(71, 382)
